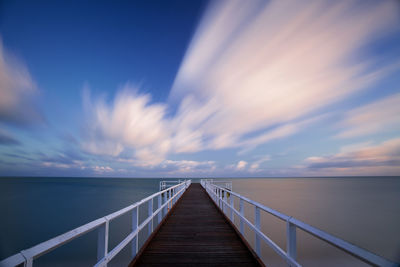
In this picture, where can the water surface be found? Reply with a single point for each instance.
(363, 211)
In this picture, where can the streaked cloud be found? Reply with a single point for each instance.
(130, 122)
(7, 139)
(252, 67)
(380, 116)
(255, 166)
(241, 165)
(253, 73)
(17, 92)
(361, 159)
(188, 166)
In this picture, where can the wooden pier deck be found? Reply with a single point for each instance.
(196, 233)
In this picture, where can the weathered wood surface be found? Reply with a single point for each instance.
(196, 234)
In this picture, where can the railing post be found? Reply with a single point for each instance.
(291, 240)
(258, 226)
(102, 242)
(231, 202)
(166, 206)
(225, 200)
(29, 260)
(169, 199)
(220, 198)
(218, 194)
(241, 210)
(150, 213)
(159, 206)
(135, 222)
(172, 195)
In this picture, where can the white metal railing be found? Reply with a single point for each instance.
(168, 183)
(224, 184)
(224, 199)
(165, 200)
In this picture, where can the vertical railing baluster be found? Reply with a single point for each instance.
(220, 199)
(166, 206)
(172, 195)
(159, 207)
(291, 240)
(150, 213)
(219, 194)
(258, 226)
(28, 260)
(169, 200)
(231, 202)
(225, 200)
(241, 210)
(102, 242)
(135, 223)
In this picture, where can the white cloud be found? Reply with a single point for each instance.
(380, 116)
(188, 166)
(251, 67)
(241, 165)
(253, 73)
(361, 159)
(17, 91)
(102, 169)
(256, 165)
(130, 122)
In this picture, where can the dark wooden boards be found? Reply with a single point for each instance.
(196, 234)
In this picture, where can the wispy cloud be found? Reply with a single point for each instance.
(17, 92)
(251, 67)
(130, 122)
(188, 166)
(255, 166)
(241, 165)
(361, 159)
(253, 73)
(7, 139)
(380, 116)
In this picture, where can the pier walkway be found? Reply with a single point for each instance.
(195, 234)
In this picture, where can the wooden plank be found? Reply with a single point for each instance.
(196, 234)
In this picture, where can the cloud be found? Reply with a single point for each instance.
(130, 122)
(380, 116)
(17, 92)
(253, 73)
(102, 169)
(241, 165)
(7, 139)
(256, 165)
(365, 158)
(188, 166)
(252, 67)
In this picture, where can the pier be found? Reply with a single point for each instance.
(196, 233)
(194, 225)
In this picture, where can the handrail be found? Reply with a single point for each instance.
(168, 183)
(220, 196)
(166, 199)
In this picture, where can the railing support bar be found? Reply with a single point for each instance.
(241, 210)
(135, 222)
(232, 207)
(159, 213)
(102, 241)
(166, 206)
(257, 224)
(150, 213)
(291, 240)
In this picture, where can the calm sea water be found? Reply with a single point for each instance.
(363, 211)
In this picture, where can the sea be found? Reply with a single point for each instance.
(364, 211)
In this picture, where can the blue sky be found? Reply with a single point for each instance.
(199, 88)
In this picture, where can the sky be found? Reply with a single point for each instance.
(199, 88)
